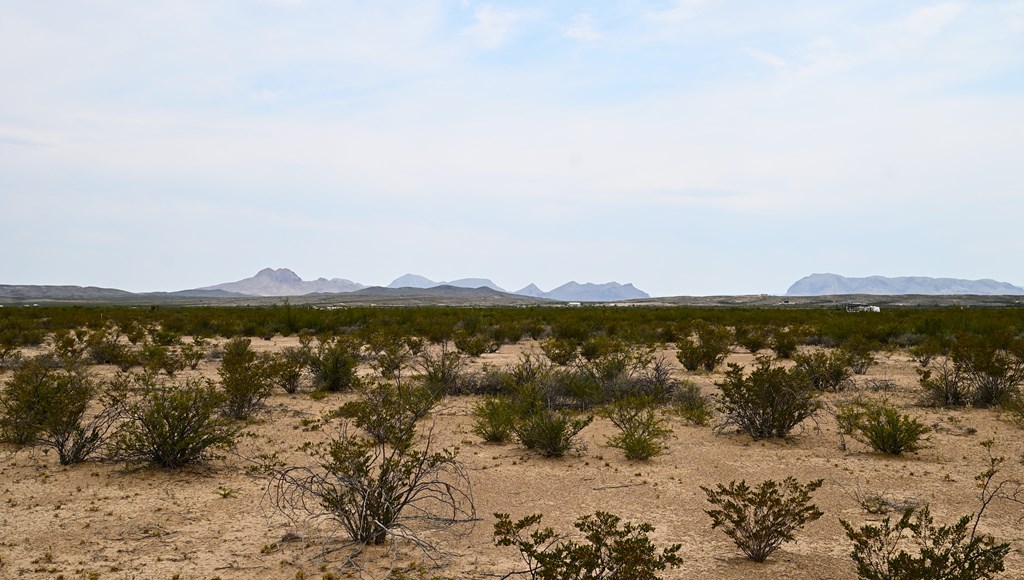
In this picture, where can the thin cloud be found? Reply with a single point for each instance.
(582, 29)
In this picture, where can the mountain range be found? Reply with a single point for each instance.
(284, 282)
(832, 284)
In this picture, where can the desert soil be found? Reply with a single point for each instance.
(101, 520)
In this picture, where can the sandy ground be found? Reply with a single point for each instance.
(99, 520)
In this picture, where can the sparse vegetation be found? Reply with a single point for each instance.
(641, 431)
(609, 553)
(761, 519)
(706, 349)
(881, 426)
(768, 403)
(168, 425)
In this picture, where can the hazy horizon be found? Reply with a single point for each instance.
(690, 147)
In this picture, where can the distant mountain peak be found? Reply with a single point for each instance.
(573, 291)
(284, 282)
(833, 284)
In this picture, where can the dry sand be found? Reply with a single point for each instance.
(99, 520)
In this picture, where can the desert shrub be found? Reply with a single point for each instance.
(707, 349)
(859, 354)
(979, 371)
(168, 425)
(286, 368)
(374, 489)
(391, 353)
(882, 427)
(158, 357)
(945, 387)
(493, 418)
(752, 338)
(641, 431)
(41, 393)
(70, 346)
(784, 342)
(475, 345)
(388, 412)
(48, 406)
(693, 406)
(952, 552)
(552, 433)
(759, 520)
(333, 364)
(994, 370)
(768, 403)
(618, 370)
(827, 371)
(560, 351)
(194, 352)
(10, 357)
(609, 553)
(443, 369)
(245, 377)
(105, 348)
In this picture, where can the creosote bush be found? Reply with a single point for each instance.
(246, 378)
(881, 426)
(642, 432)
(47, 406)
(389, 412)
(950, 552)
(168, 425)
(333, 364)
(609, 552)
(759, 520)
(392, 484)
(550, 432)
(441, 369)
(707, 349)
(768, 403)
(493, 419)
(827, 370)
(692, 405)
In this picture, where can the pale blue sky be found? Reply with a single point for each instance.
(689, 147)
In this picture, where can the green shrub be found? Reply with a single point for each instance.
(48, 406)
(552, 433)
(194, 352)
(707, 349)
(158, 357)
(442, 369)
(951, 552)
(784, 342)
(493, 418)
(994, 369)
(560, 351)
(759, 520)
(827, 371)
(286, 368)
(641, 431)
(768, 403)
(168, 426)
(859, 353)
(693, 406)
(882, 427)
(333, 364)
(945, 387)
(752, 338)
(245, 377)
(372, 488)
(389, 412)
(26, 400)
(610, 552)
(475, 345)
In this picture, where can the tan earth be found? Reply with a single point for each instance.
(100, 520)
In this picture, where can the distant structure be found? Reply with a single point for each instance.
(573, 304)
(862, 308)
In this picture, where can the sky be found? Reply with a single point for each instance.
(691, 147)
